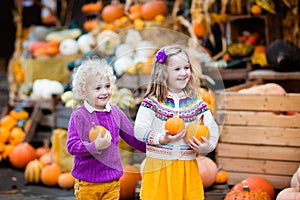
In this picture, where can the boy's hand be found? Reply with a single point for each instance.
(103, 142)
(167, 138)
(199, 147)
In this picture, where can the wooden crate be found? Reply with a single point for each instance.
(254, 139)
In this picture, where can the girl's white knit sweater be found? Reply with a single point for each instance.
(152, 116)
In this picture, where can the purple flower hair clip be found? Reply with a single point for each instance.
(161, 56)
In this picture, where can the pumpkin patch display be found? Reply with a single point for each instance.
(93, 133)
(208, 170)
(247, 194)
(33, 170)
(197, 129)
(174, 124)
(21, 155)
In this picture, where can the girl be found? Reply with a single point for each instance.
(97, 164)
(171, 170)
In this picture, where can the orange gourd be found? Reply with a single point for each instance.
(93, 133)
(21, 155)
(90, 25)
(46, 159)
(112, 12)
(43, 149)
(197, 129)
(247, 194)
(50, 174)
(256, 183)
(208, 170)
(135, 11)
(16, 135)
(33, 170)
(174, 124)
(8, 122)
(92, 7)
(128, 181)
(151, 9)
(22, 114)
(199, 29)
(222, 176)
(4, 135)
(66, 180)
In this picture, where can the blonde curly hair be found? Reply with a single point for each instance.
(91, 67)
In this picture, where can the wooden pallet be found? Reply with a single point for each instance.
(256, 138)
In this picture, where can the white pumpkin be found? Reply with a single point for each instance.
(133, 37)
(86, 43)
(145, 48)
(68, 47)
(107, 41)
(122, 63)
(124, 50)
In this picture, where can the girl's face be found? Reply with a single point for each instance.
(98, 91)
(179, 72)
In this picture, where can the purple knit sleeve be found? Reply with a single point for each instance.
(127, 131)
(75, 144)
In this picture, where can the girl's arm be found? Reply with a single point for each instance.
(75, 145)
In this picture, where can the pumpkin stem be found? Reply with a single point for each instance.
(246, 188)
(201, 120)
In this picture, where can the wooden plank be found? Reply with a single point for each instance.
(278, 182)
(258, 166)
(258, 135)
(251, 118)
(257, 102)
(258, 152)
(264, 74)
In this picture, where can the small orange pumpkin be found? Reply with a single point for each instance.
(174, 124)
(222, 176)
(93, 133)
(66, 180)
(50, 174)
(135, 11)
(16, 135)
(197, 129)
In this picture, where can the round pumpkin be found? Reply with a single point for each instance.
(221, 177)
(112, 12)
(66, 180)
(151, 9)
(208, 170)
(197, 129)
(50, 174)
(46, 159)
(21, 155)
(128, 182)
(174, 124)
(256, 183)
(94, 131)
(289, 194)
(247, 194)
(33, 170)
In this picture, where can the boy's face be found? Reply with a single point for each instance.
(179, 72)
(98, 91)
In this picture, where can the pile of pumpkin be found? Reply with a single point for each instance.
(117, 16)
(13, 128)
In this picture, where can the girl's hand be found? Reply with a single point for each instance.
(103, 142)
(199, 147)
(167, 138)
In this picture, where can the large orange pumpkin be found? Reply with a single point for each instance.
(208, 170)
(21, 155)
(151, 9)
(174, 124)
(247, 194)
(50, 174)
(128, 182)
(112, 12)
(256, 183)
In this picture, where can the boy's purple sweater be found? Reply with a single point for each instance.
(91, 165)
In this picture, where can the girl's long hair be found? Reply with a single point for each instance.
(158, 82)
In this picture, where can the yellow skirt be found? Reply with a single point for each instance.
(171, 180)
